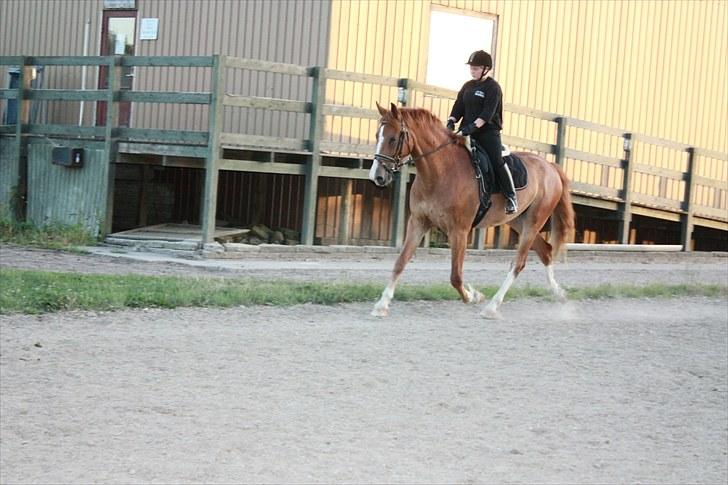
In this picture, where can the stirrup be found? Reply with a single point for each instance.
(511, 205)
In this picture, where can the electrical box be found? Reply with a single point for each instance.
(67, 157)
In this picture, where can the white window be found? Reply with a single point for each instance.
(453, 37)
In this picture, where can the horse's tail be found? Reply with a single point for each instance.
(562, 220)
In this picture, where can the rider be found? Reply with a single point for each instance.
(480, 105)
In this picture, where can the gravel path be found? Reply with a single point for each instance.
(616, 391)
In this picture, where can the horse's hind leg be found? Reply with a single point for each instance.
(415, 231)
(543, 249)
(458, 243)
(528, 235)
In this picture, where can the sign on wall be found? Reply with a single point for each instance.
(148, 29)
(119, 4)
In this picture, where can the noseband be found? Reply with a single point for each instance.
(396, 162)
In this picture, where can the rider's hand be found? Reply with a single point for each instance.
(450, 125)
(468, 129)
(479, 122)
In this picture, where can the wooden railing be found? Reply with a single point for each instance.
(613, 181)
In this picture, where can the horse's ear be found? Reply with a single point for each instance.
(395, 113)
(382, 111)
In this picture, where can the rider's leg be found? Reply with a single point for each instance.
(491, 142)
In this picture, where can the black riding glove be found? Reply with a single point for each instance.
(468, 129)
(450, 125)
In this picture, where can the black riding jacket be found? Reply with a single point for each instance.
(480, 99)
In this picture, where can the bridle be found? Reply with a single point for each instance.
(394, 163)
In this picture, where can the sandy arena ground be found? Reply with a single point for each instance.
(615, 391)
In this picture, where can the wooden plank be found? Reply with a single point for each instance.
(67, 94)
(660, 142)
(597, 190)
(655, 201)
(164, 149)
(345, 173)
(69, 60)
(335, 147)
(594, 158)
(159, 160)
(594, 201)
(529, 144)
(262, 167)
(427, 89)
(359, 77)
(169, 61)
(8, 94)
(111, 145)
(64, 130)
(588, 125)
(165, 97)
(258, 65)
(11, 60)
(7, 129)
(533, 113)
(663, 214)
(660, 172)
(350, 111)
(560, 141)
(169, 136)
(711, 154)
(270, 142)
(267, 103)
(712, 223)
(719, 214)
(706, 182)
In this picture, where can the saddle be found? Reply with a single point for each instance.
(487, 181)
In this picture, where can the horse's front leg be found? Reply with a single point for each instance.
(458, 244)
(415, 231)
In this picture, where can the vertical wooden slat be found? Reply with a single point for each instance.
(316, 132)
(209, 201)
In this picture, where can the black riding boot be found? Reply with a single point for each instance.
(509, 190)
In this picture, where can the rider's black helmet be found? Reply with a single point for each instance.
(480, 58)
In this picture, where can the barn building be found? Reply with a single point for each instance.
(229, 114)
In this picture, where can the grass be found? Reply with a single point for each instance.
(54, 236)
(26, 291)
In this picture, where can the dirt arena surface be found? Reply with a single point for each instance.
(612, 391)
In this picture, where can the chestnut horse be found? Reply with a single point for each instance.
(445, 195)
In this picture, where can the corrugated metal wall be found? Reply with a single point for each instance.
(651, 67)
(289, 31)
(8, 177)
(62, 195)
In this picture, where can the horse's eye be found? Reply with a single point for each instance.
(392, 140)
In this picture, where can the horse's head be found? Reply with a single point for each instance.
(393, 146)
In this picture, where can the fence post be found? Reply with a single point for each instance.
(111, 144)
(316, 132)
(399, 195)
(686, 219)
(561, 140)
(626, 209)
(21, 117)
(214, 127)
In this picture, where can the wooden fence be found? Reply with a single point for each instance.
(635, 181)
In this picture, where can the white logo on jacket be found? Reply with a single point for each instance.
(479, 94)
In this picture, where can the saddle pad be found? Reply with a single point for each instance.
(518, 171)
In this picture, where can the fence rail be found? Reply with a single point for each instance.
(614, 180)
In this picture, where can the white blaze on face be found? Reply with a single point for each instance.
(375, 164)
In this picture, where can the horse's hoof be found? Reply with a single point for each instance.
(475, 296)
(380, 312)
(491, 313)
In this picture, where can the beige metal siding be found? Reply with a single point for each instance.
(650, 67)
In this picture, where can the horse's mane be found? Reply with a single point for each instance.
(429, 124)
